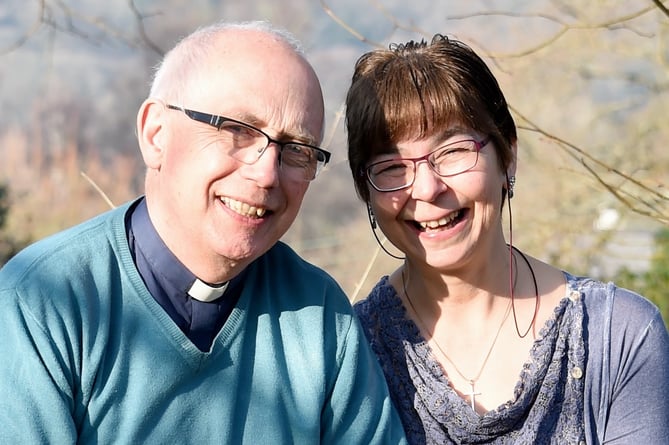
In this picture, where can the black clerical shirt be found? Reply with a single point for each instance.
(168, 281)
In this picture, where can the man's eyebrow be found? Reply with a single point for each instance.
(301, 135)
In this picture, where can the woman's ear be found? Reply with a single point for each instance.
(151, 132)
(511, 169)
(509, 175)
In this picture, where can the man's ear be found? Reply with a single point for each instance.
(151, 132)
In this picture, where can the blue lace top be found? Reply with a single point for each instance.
(549, 399)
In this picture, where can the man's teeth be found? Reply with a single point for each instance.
(438, 223)
(243, 208)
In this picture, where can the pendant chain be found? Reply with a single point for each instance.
(471, 381)
(485, 360)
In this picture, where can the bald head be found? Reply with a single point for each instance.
(227, 44)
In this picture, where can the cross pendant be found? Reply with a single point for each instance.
(472, 395)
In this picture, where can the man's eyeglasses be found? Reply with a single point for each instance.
(247, 144)
(448, 160)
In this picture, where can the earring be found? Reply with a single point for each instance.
(370, 214)
(511, 183)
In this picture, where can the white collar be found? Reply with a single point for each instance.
(201, 291)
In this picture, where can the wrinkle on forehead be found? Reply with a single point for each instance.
(281, 131)
(262, 81)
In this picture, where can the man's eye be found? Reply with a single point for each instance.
(297, 155)
(239, 135)
(238, 130)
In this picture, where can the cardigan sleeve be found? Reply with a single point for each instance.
(633, 406)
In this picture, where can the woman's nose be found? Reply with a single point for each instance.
(427, 184)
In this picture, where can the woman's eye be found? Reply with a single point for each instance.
(389, 168)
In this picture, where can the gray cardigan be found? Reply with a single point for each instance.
(599, 373)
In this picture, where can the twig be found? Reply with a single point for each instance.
(99, 190)
(581, 155)
(344, 25)
(365, 274)
(662, 8)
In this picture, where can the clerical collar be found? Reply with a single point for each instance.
(202, 291)
(171, 274)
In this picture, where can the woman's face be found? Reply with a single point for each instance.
(444, 221)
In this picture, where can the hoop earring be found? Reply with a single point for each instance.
(370, 216)
(372, 222)
(511, 182)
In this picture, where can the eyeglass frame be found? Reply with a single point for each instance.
(217, 122)
(425, 158)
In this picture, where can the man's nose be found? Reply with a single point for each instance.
(265, 169)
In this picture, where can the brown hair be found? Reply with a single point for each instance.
(415, 89)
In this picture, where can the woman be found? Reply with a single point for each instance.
(479, 342)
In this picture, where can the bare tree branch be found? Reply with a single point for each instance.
(59, 16)
(565, 27)
(30, 32)
(637, 203)
(349, 29)
(142, 32)
(661, 7)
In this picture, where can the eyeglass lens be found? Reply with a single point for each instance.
(247, 145)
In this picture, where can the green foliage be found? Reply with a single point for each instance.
(9, 246)
(657, 278)
(654, 283)
(4, 206)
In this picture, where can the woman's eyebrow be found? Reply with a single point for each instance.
(453, 131)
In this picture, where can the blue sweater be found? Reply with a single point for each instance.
(88, 356)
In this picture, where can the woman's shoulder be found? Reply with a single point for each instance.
(381, 299)
(609, 304)
(383, 315)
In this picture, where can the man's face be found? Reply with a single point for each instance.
(210, 208)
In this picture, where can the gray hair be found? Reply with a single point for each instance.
(172, 73)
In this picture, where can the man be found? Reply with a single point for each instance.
(180, 317)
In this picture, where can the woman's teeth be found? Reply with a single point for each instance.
(425, 225)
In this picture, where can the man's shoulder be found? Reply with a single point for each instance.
(289, 262)
(64, 252)
(281, 274)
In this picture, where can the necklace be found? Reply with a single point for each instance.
(511, 307)
(472, 381)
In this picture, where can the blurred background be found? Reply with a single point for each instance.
(588, 83)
